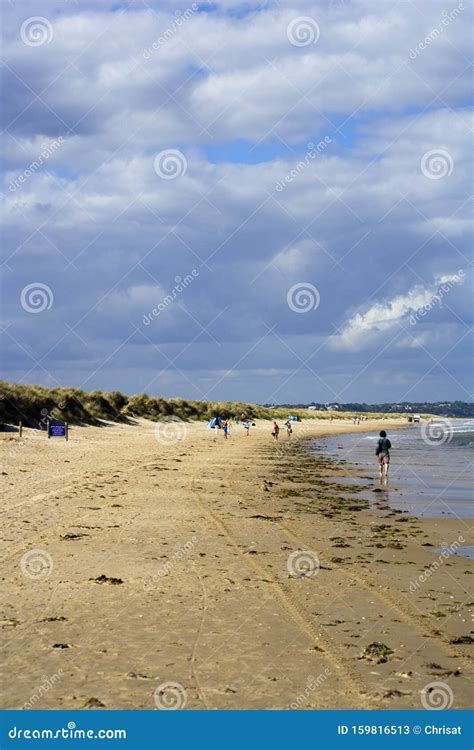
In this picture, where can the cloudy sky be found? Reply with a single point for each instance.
(239, 200)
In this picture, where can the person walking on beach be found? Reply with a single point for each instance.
(276, 431)
(383, 453)
(247, 427)
(289, 429)
(226, 428)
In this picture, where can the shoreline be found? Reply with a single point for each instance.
(399, 491)
(183, 561)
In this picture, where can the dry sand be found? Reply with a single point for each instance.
(167, 562)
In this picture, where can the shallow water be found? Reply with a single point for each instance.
(431, 467)
(462, 551)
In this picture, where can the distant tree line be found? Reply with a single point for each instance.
(440, 408)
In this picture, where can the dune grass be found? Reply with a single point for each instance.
(35, 404)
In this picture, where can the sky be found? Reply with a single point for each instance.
(268, 202)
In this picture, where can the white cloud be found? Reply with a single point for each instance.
(231, 86)
(382, 320)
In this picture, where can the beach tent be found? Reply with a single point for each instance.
(213, 421)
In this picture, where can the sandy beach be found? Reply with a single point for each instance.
(135, 560)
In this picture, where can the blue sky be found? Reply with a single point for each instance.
(258, 201)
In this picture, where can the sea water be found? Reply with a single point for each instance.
(431, 466)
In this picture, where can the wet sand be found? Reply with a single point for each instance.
(132, 561)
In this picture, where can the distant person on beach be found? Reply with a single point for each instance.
(276, 431)
(289, 428)
(247, 428)
(383, 453)
(226, 428)
(217, 426)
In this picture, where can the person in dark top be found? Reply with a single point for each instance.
(383, 453)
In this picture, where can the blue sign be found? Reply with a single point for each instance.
(57, 430)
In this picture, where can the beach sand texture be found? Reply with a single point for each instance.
(171, 557)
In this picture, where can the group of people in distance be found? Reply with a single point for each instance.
(218, 423)
(382, 450)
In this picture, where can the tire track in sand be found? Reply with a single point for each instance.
(342, 667)
(387, 597)
(409, 617)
